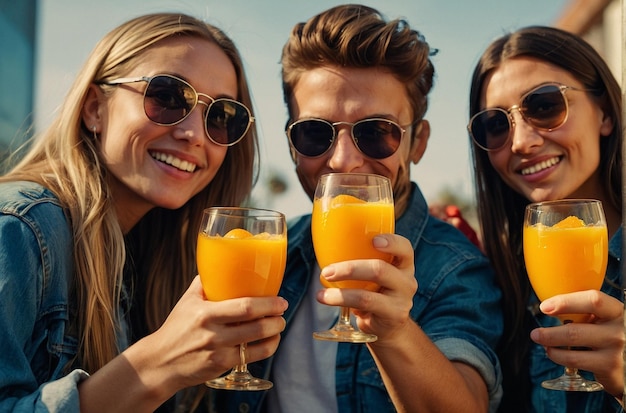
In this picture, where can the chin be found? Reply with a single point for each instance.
(173, 202)
(542, 196)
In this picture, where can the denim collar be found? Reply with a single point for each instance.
(412, 222)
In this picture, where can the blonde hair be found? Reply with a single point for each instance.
(160, 249)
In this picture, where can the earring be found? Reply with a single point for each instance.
(93, 128)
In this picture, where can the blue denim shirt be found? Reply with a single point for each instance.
(542, 368)
(457, 304)
(35, 268)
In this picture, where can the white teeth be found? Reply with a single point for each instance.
(175, 162)
(540, 166)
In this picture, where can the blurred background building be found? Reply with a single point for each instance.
(600, 23)
(18, 20)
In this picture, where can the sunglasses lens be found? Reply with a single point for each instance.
(377, 138)
(168, 100)
(545, 107)
(311, 137)
(227, 121)
(490, 128)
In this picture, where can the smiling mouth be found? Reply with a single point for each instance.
(174, 161)
(540, 166)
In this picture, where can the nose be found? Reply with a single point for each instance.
(192, 128)
(345, 156)
(524, 136)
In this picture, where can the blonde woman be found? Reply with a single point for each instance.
(100, 307)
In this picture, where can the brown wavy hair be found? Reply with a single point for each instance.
(358, 36)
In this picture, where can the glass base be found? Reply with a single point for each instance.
(572, 383)
(242, 381)
(345, 336)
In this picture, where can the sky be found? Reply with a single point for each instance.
(459, 29)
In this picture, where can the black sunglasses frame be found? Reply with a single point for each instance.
(333, 136)
(150, 81)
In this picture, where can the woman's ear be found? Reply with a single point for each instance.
(420, 140)
(91, 112)
(607, 125)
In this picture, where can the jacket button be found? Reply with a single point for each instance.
(244, 408)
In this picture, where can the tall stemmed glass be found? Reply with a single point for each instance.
(241, 253)
(348, 211)
(566, 250)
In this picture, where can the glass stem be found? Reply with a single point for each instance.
(239, 373)
(243, 366)
(570, 371)
(343, 324)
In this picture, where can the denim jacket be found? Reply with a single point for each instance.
(35, 268)
(457, 304)
(542, 368)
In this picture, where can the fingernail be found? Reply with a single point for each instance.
(380, 242)
(534, 335)
(546, 307)
(328, 271)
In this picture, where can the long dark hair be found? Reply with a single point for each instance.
(501, 209)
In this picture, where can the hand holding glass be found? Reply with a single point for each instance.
(566, 250)
(241, 253)
(349, 210)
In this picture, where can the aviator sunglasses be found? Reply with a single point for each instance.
(544, 108)
(376, 137)
(168, 100)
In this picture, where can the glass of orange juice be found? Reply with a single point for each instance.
(241, 252)
(349, 210)
(566, 250)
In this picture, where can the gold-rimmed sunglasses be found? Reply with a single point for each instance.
(168, 100)
(544, 108)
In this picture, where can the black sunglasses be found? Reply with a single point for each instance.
(168, 100)
(544, 108)
(376, 137)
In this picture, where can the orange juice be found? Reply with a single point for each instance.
(564, 258)
(344, 229)
(241, 265)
